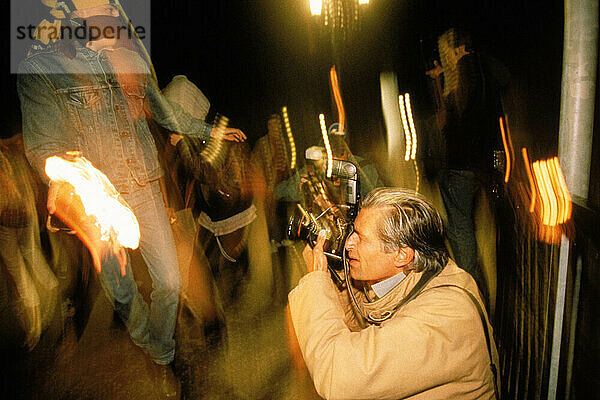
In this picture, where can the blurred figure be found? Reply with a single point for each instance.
(20, 247)
(181, 191)
(96, 98)
(289, 190)
(468, 118)
(271, 165)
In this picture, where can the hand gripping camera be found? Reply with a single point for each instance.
(329, 204)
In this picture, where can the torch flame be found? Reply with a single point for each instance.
(100, 199)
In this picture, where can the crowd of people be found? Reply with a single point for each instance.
(404, 320)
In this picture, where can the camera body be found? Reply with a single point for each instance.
(329, 204)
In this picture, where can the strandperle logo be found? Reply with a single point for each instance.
(34, 26)
(53, 32)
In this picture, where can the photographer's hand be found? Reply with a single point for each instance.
(315, 258)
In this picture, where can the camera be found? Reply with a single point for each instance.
(328, 204)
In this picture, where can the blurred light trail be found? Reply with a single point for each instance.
(335, 87)
(532, 186)
(544, 197)
(556, 205)
(363, 2)
(413, 131)
(406, 128)
(564, 196)
(327, 145)
(288, 129)
(316, 6)
(506, 151)
(551, 217)
(213, 152)
(417, 174)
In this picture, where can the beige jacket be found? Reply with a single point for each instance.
(432, 348)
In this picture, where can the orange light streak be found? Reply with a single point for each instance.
(338, 98)
(545, 202)
(562, 191)
(553, 216)
(506, 151)
(530, 178)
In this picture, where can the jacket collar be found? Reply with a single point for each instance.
(381, 307)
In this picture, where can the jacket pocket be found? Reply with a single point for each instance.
(82, 99)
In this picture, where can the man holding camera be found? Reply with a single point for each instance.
(416, 328)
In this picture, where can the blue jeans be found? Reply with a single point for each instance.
(152, 329)
(459, 190)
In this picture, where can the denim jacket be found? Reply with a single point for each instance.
(81, 104)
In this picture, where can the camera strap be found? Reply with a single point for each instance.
(485, 332)
(425, 279)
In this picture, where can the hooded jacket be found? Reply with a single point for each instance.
(432, 348)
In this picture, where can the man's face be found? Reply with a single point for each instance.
(368, 261)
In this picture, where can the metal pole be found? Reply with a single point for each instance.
(558, 316)
(578, 94)
(575, 137)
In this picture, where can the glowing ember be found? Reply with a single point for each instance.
(100, 199)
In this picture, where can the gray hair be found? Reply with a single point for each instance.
(408, 220)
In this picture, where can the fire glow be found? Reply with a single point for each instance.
(100, 199)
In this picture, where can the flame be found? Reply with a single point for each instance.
(338, 97)
(100, 199)
(288, 129)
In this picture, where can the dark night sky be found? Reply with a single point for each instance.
(252, 57)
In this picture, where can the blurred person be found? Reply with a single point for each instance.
(95, 98)
(289, 190)
(20, 246)
(271, 165)
(415, 325)
(468, 119)
(215, 178)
